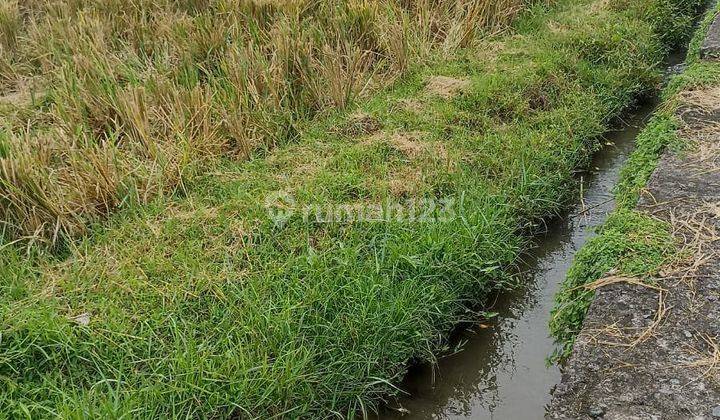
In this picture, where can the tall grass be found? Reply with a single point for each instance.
(130, 96)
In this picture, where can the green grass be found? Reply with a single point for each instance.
(201, 306)
(650, 143)
(632, 243)
(109, 103)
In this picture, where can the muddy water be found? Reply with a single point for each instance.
(501, 371)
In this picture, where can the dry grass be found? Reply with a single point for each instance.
(706, 99)
(613, 330)
(708, 361)
(702, 136)
(446, 87)
(136, 93)
(696, 232)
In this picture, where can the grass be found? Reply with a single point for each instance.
(200, 305)
(631, 243)
(106, 103)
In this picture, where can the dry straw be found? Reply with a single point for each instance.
(137, 95)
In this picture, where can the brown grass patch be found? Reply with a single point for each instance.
(411, 144)
(707, 361)
(707, 99)
(446, 87)
(359, 124)
(558, 28)
(17, 98)
(600, 5)
(405, 182)
(702, 134)
(21, 93)
(412, 105)
(488, 51)
(703, 157)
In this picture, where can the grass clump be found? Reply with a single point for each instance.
(205, 306)
(630, 242)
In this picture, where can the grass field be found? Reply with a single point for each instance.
(199, 304)
(109, 102)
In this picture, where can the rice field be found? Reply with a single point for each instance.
(109, 102)
(281, 269)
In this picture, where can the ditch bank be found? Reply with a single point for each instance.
(500, 369)
(648, 347)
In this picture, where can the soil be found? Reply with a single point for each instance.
(653, 351)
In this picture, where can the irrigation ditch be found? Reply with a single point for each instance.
(501, 369)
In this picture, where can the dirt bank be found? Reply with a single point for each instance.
(650, 347)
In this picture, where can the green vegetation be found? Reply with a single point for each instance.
(632, 243)
(105, 103)
(659, 133)
(200, 305)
